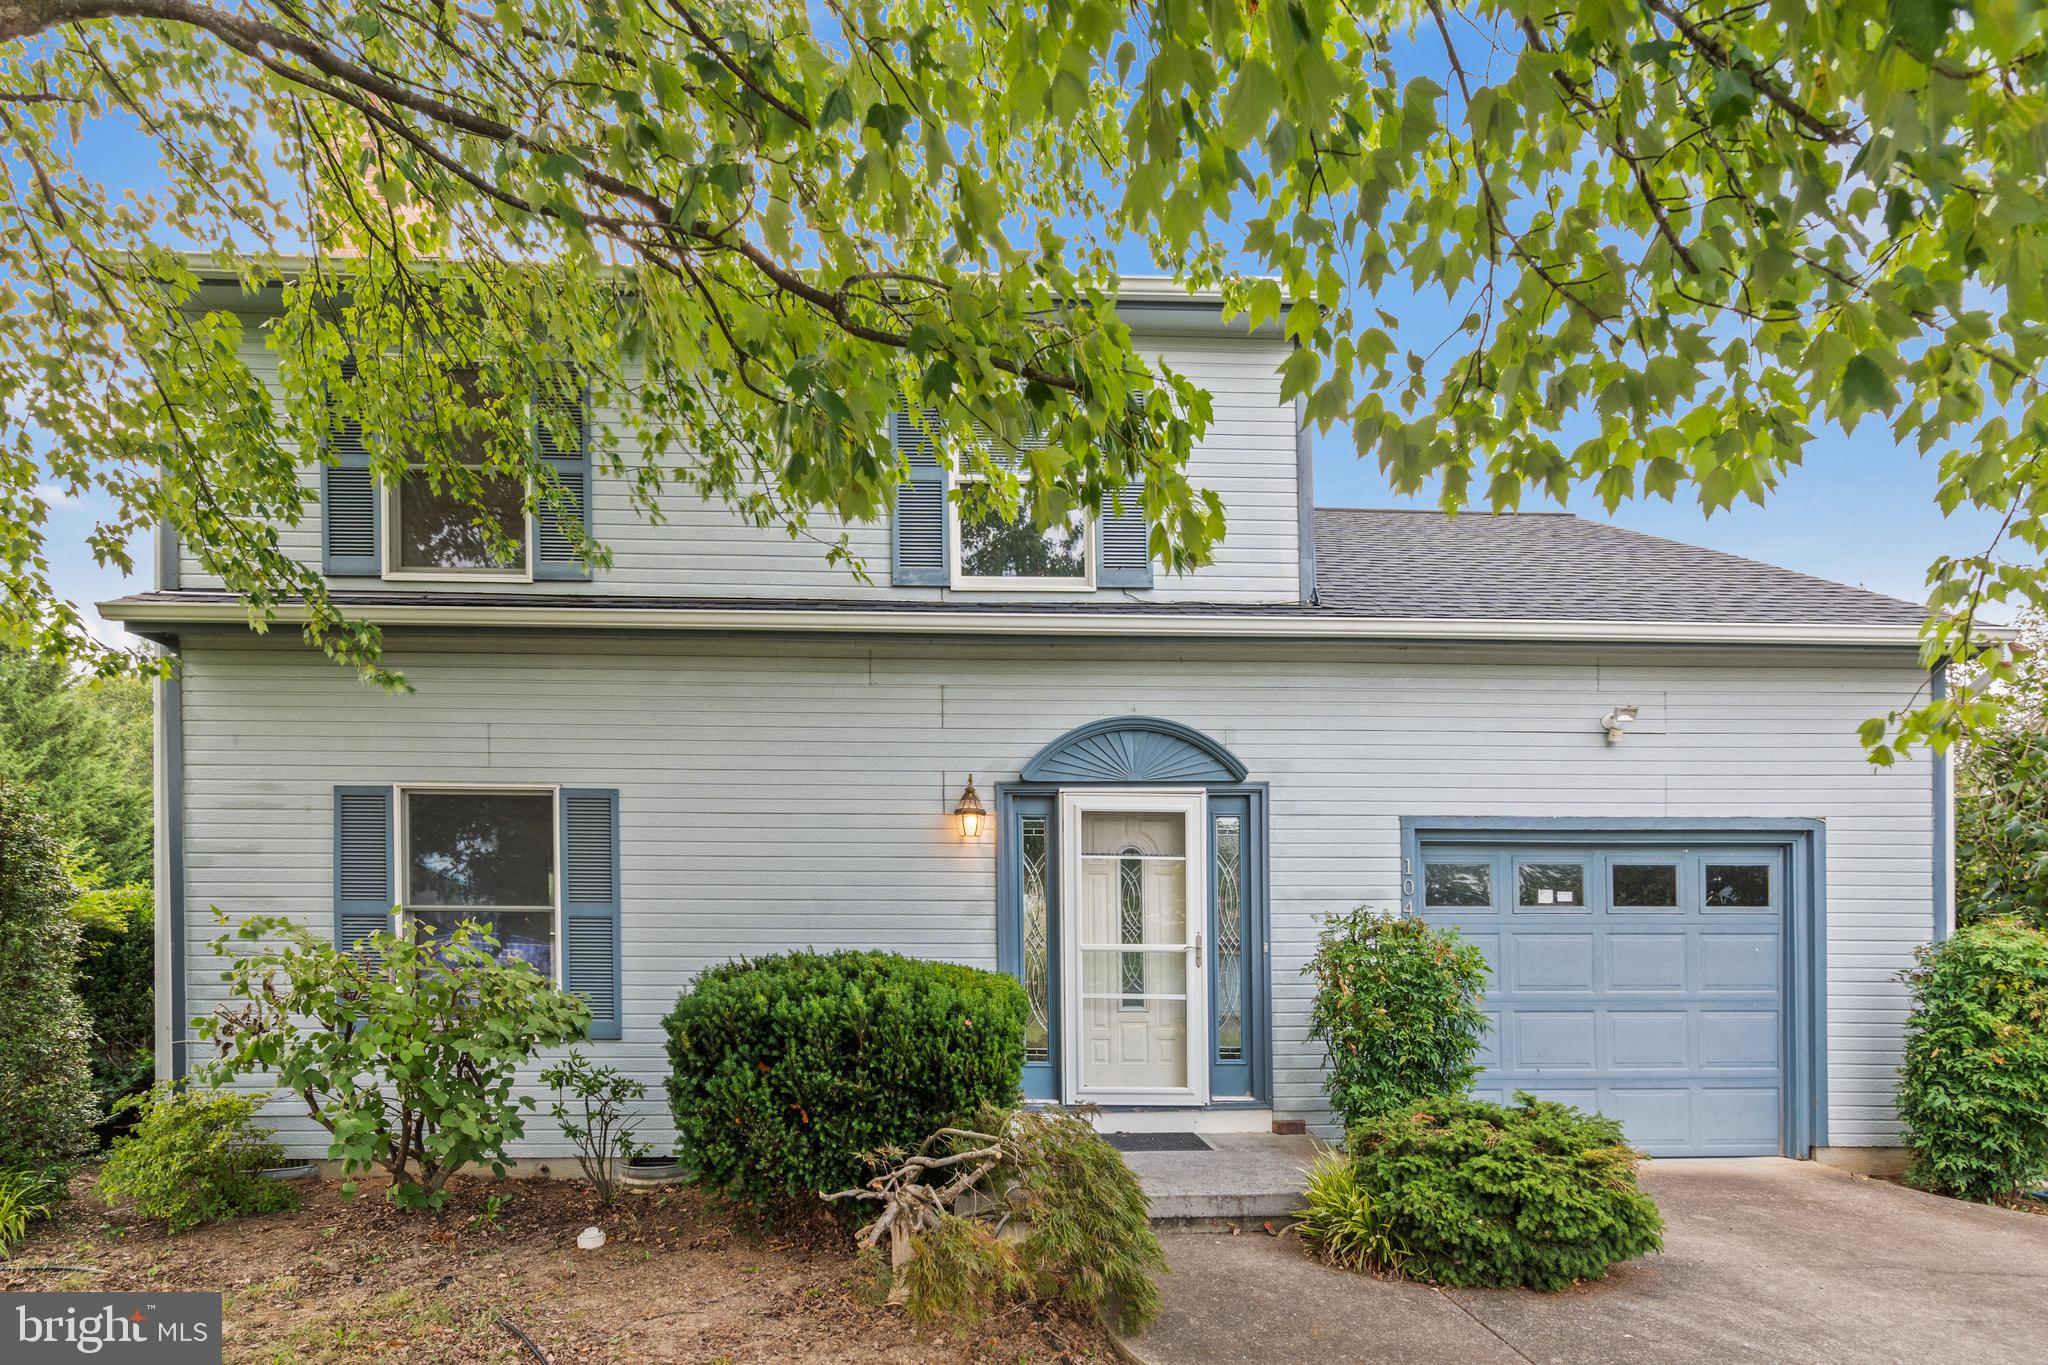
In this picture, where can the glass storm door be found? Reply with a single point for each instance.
(1133, 917)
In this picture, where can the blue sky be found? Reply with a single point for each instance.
(1860, 510)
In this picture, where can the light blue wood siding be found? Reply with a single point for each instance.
(1248, 458)
(781, 793)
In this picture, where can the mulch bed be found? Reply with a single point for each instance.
(678, 1279)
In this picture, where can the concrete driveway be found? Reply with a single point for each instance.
(1764, 1260)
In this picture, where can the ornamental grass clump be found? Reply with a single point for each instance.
(25, 1197)
(1973, 1094)
(1343, 1222)
(788, 1071)
(1397, 1007)
(1474, 1194)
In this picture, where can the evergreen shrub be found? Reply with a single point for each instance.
(787, 1071)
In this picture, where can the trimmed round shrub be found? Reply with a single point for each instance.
(47, 1108)
(1397, 1006)
(1477, 1194)
(786, 1071)
(1973, 1094)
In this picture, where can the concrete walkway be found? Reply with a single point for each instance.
(1764, 1260)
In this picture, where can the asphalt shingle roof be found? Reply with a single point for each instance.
(1554, 566)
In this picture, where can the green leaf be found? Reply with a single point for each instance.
(1922, 26)
(1865, 387)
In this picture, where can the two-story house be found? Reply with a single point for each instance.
(1627, 767)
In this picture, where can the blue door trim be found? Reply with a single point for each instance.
(1041, 1079)
(1014, 800)
(1804, 842)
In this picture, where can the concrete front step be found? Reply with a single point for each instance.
(1243, 1177)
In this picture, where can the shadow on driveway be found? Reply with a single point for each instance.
(1764, 1260)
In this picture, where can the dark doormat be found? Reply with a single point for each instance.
(1156, 1142)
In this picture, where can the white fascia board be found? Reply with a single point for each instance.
(1113, 625)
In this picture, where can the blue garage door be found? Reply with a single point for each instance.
(1641, 982)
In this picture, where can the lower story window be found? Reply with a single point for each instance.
(487, 856)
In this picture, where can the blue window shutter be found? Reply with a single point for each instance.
(1123, 541)
(917, 541)
(554, 553)
(590, 904)
(349, 505)
(363, 893)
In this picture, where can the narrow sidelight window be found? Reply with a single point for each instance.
(1229, 938)
(1037, 941)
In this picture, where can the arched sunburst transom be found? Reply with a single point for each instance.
(1134, 749)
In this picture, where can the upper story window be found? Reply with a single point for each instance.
(995, 545)
(486, 856)
(435, 533)
(948, 531)
(422, 527)
(998, 547)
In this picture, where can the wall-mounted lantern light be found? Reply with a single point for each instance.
(970, 811)
(1617, 721)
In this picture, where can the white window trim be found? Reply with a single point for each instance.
(1085, 583)
(402, 834)
(388, 491)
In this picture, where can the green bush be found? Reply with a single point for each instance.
(1973, 1094)
(1343, 1222)
(593, 1108)
(25, 1196)
(195, 1156)
(786, 1071)
(1397, 1008)
(117, 982)
(46, 1100)
(407, 1055)
(1480, 1194)
(82, 746)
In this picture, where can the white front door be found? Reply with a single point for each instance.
(1136, 1008)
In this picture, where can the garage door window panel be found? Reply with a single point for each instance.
(1739, 886)
(1557, 885)
(1460, 884)
(1648, 885)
